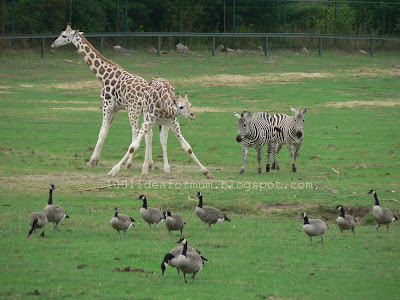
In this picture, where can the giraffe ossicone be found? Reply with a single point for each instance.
(161, 107)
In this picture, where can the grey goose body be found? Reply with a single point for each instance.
(314, 227)
(208, 214)
(345, 221)
(121, 222)
(54, 213)
(151, 215)
(171, 258)
(37, 220)
(382, 215)
(189, 262)
(173, 222)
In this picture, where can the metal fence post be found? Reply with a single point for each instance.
(42, 51)
(284, 24)
(101, 45)
(320, 46)
(70, 11)
(383, 24)
(13, 25)
(126, 23)
(180, 22)
(335, 28)
(266, 46)
(159, 46)
(234, 17)
(213, 46)
(372, 48)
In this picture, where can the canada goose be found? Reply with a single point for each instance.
(37, 220)
(188, 262)
(151, 215)
(382, 215)
(171, 258)
(121, 221)
(345, 222)
(173, 221)
(314, 227)
(208, 214)
(54, 213)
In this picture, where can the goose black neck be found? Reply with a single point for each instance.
(342, 212)
(168, 257)
(116, 214)
(184, 249)
(376, 199)
(200, 201)
(51, 197)
(144, 203)
(306, 220)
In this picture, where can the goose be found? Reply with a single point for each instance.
(121, 222)
(173, 221)
(314, 227)
(37, 220)
(345, 222)
(382, 215)
(208, 214)
(54, 213)
(188, 262)
(171, 258)
(151, 215)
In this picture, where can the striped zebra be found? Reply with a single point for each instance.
(289, 131)
(256, 130)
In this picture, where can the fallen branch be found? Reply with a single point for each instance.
(99, 188)
(353, 195)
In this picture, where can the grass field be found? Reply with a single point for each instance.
(50, 118)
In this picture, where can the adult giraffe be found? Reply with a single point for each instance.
(121, 90)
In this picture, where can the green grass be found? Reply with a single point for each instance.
(50, 119)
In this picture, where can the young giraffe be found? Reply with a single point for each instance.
(121, 90)
(161, 107)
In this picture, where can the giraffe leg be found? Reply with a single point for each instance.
(164, 140)
(245, 151)
(133, 113)
(174, 126)
(108, 117)
(146, 126)
(148, 161)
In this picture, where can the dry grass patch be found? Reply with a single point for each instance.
(231, 80)
(78, 85)
(381, 72)
(350, 104)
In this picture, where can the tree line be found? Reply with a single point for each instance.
(342, 17)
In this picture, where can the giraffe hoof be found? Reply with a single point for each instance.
(93, 162)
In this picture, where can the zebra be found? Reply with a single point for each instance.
(256, 130)
(289, 131)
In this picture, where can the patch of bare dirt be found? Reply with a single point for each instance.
(281, 207)
(232, 80)
(349, 104)
(128, 269)
(27, 85)
(373, 72)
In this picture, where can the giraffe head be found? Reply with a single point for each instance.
(298, 120)
(184, 107)
(243, 125)
(66, 37)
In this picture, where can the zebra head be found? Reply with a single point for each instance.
(243, 125)
(184, 107)
(298, 121)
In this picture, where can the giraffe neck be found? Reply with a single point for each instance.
(98, 64)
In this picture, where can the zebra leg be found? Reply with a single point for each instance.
(174, 126)
(245, 151)
(296, 149)
(278, 148)
(289, 146)
(146, 126)
(269, 149)
(164, 140)
(109, 116)
(259, 159)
